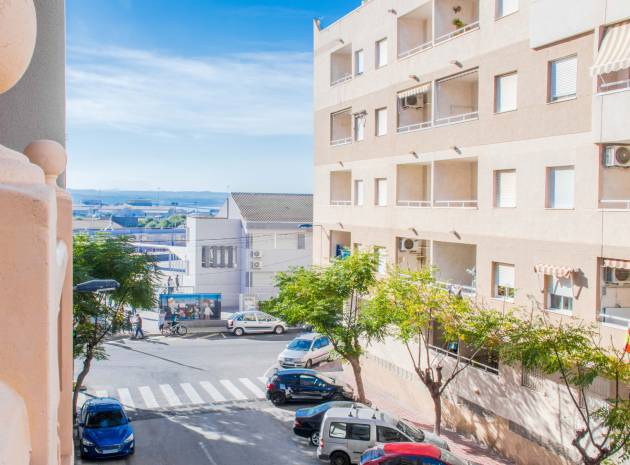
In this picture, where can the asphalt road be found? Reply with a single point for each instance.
(199, 400)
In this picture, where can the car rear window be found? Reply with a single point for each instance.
(105, 419)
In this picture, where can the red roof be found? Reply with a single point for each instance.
(412, 448)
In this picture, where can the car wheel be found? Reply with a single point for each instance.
(278, 329)
(239, 332)
(314, 439)
(278, 398)
(308, 364)
(339, 458)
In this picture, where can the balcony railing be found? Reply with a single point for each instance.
(413, 51)
(461, 30)
(456, 288)
(473, 363)
(341, 202)
(344, 78)
(414, 127)
(456, 203)
(414, 203)
(457, 118)
(613, 86)
(606, 316)
(615, 204)
(344, 141)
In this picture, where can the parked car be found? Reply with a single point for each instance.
(405, 453)
(305, 351)
(348, 432)
(104, 430)
(302, 384)
(309, 420)
(255, 322)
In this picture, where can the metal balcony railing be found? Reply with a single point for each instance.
(456, 203)
(606, 316)
(344, 141)
(460, 31)
(341, 202)
(414, 127)
(456, 118)
(455, 288)
(615, 204)
(614, 86)
(344, 78)
(414, 203)
(414, 50)
(465, 360)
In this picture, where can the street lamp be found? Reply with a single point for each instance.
(97, 286)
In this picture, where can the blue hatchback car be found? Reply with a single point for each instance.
(104, 429)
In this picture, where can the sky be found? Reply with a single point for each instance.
(193, 94)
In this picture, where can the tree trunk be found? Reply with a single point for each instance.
(84, 372)
(356, 370)
(437, 408)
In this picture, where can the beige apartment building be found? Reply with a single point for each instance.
(489, 139)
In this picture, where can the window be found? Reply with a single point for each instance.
(381, 53)
(506, 7)
(559, 293)
(358, 192)
(359, 126)
(504, 281)
(505, 92)
(381, 121)
(380, 194)
(505, 189)
(301, 241)
(560, 187)
(358, 62)
(381, 253)
(308, 381)
(562, 78)
(249, 316)
(385, 434)
(338, 430)
(218, 256)
(359, 432)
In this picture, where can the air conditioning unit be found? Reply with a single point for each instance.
(257, 265)
(617, 276)
(416, 101)
(617, 155)
(257, 254)
(411, 245)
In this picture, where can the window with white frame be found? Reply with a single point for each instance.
(381, 53)
(506, 7)
(505, 92)
(381, 121)
(561, 187)
(503, 281)
(381, 254)
(218, 256)
(359, 62)
(505, 188)
(380, 194)
(559, 293)
(359, 126)
(358, 192)
(562, 78)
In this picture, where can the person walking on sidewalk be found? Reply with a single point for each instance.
(139, 327)
(161, 320)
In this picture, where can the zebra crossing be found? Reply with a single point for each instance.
(182, 394)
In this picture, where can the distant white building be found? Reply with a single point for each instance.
(238, 252)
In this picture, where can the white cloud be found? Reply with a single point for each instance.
(266, 93)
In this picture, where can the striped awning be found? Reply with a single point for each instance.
(614, 53)
(557, 271)
(423, 89)
(612, 263)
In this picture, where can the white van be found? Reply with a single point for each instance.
(347, 432)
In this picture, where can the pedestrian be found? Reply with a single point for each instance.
(206, 312)
(176, 282)
(139, 327)
(161, 320)
(169, 284)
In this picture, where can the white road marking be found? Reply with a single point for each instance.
(236, 393)
(212, 391)
(170, 395)
(191, 393)
(252, 387)
(125, 398)
(263, 379)
(101, 393)
(208, 456)
(148, 397)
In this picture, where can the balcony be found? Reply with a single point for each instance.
(341, 127)
(615, 178)
(614, 81)
(341, 65)
(455, 184)
(412, 254)
(415, 109)
(455, 266)
(615, 293)
(455, 18)
(341, 188)
(457, 98)
(413, 186)
(415, 31)
(339, 244)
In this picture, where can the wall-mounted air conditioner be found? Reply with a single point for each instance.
(617, 155)
(414, 101)
(257, 265)
(411, 246)
(257, 254)
(617, 276)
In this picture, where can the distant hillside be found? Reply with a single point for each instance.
(182, 198)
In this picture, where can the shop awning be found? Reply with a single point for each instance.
(553, 270)
(423, 89)
(612, 263)
(614, 53)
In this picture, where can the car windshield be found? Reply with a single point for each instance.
(451, 459)
(106, 419)
(411, 431)
(299, 344)
(326, 379)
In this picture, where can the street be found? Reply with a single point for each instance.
(199, 400)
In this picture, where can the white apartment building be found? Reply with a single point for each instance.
(489, 139)
(238, 252)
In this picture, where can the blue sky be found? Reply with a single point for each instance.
(193, 94)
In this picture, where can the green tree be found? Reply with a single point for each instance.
(97, 316)
(332, 300)
(575, 354)
(419, 309)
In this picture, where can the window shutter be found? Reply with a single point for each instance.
(506, 92)
(507, 7)
(381, 122)
(562, 187)
(506, 189)
(381, 53)
(563, 78)
(359, 127)
(504, 275)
